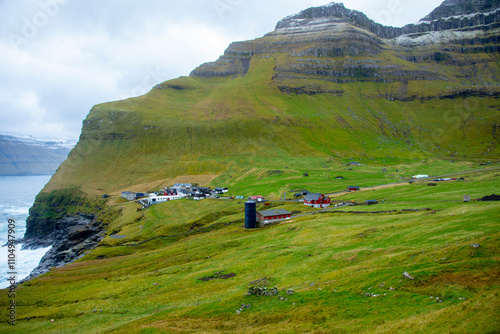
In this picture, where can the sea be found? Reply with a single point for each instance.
(17, 196)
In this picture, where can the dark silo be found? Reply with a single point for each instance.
(250, 214)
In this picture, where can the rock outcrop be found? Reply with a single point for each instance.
(71, 238)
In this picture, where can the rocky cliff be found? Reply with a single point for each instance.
(333, 31)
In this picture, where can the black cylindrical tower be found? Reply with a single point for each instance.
(250, 214)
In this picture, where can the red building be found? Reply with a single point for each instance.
(256, 198)
(317, 200)
(352, 188)
(273, 215)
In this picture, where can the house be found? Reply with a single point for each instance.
(256, 198)
(155, 199)
(420, 176)
(317, 200)
(182, 186)
(371, 202)
(129, 196)
(353, 188)
(269, 216)
(220, 190)
(201, 190)
(199, 197)
(170, 192)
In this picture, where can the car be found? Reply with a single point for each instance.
(217, 196)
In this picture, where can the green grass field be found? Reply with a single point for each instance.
(346, 269)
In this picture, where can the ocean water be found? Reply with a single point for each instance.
(18, 195)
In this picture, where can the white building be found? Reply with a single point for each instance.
(155, 199)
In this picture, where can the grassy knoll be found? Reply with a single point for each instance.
(346, 269)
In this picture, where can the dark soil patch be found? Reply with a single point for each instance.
(490, 198)
(467, 280)
(217, 275)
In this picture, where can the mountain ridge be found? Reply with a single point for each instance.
(24, 155)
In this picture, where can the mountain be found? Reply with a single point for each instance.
(327, 82)
(32, 156)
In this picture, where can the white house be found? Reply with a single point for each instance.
(198, 197)
(420, 176)
(155, 199)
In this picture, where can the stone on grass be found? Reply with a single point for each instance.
(407, 275)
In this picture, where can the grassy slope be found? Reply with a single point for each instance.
(154, 287)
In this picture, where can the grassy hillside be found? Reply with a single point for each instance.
(346, 269)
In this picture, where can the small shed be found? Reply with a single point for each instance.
(129, 196)
(353, 188)
(371, 202)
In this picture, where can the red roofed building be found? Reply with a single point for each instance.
(317, 200)
(256, 198)
(270, 216)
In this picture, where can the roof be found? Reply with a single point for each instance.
(255, 197)
(278, 212)
(356, 187)
(127, 193)
(312, 197)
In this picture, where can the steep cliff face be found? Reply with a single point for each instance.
(450, 8)
(333, 31)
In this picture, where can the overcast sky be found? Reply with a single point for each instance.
(60, 57)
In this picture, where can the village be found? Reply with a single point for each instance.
(253, 218)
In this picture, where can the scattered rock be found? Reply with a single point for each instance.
(475, 245)
(381, 285)
(289, 292)
(261, 291)
(407, 275)
(392, 289)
